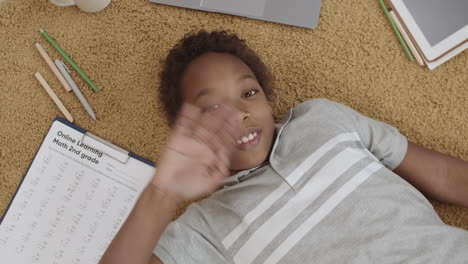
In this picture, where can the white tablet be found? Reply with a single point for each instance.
(436, 26)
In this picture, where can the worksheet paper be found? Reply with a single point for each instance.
(71, 203)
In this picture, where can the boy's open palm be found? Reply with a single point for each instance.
(196, 157)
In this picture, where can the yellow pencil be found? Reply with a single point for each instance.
(54, 96)
(52, 66)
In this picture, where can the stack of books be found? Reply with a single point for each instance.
(430, 31)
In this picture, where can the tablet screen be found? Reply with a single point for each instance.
(438, 19)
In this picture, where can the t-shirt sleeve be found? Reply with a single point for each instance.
(184, 241)
(384, 141)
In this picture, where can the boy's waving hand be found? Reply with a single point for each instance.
(193, 163)
(196, 158)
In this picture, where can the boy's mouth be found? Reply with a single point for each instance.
(249, 140)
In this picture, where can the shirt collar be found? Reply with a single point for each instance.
(231, 180)
(279, 130)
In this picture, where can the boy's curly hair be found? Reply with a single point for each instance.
(194, 45)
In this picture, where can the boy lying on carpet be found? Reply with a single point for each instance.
(326, 185)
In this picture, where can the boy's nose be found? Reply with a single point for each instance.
(245, 115)
(240, 114)
(237, 115)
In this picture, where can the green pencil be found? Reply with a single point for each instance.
(397, 32)
(72, 63)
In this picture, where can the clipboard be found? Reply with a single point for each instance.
(104, 146)
(77, 192)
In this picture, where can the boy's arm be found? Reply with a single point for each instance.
(135, 241)
(436, 175)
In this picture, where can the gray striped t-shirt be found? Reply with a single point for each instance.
(327, 195)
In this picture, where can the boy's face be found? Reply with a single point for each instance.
(222, 79)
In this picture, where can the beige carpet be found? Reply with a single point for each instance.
(353, 57)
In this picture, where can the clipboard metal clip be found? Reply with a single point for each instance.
(105, 147)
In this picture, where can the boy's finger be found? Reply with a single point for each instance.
(230, 130)
(214, 166)
(233, 125)
(219, 176)
(218, 172)
(231, 133)
(187, 118)
(206, 131)
(207, 137)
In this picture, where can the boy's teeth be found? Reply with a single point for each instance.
(247, 138)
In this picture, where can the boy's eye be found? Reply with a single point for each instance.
(211, 108)
(250, 93)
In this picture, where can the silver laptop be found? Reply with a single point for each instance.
(301, 13)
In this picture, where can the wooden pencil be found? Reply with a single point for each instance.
(52, 66)
(54, 96)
